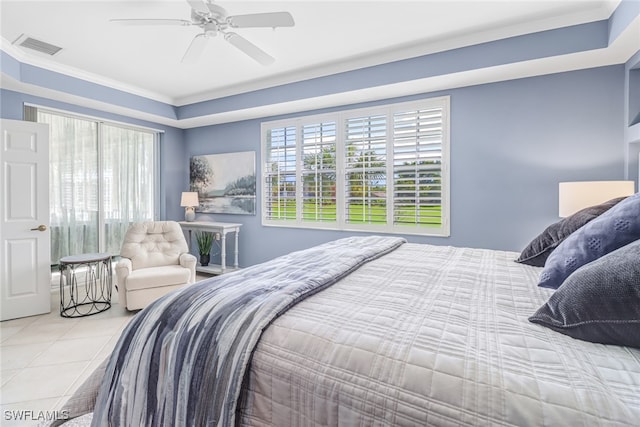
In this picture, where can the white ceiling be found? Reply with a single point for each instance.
(328, 37)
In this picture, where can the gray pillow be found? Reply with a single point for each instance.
(615, 228)
(600, 301)
(537, 252)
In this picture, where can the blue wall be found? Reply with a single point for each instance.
(174, 177)
(511, 143)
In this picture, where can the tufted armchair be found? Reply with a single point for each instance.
(155, 261)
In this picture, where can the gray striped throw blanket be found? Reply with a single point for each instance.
(181, 361)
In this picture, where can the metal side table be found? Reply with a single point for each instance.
(85, 284)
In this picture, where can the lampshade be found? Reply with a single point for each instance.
(574, 196)
(189, 199)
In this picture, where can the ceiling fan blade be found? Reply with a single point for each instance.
(271, 20)
(199, 5)
(249, 48)
(183, 22)
(195, 49)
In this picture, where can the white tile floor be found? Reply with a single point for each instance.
(45, 358)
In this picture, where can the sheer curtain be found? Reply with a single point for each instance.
(101, 178)
(73, 184)
(128, 178)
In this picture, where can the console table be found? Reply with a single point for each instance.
(220, 231)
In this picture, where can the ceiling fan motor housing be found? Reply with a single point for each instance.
(210, 29)
(212, 21)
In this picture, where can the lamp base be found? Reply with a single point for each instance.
(189, 214)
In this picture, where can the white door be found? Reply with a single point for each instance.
(25, 254)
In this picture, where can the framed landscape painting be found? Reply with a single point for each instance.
(226, 183)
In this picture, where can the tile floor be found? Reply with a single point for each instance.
(44, 359)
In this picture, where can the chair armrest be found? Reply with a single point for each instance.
(123, 269)
(189, 261)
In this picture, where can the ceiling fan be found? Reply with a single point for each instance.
(213, 19)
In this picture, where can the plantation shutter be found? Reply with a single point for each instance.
(365, 153)
(382, 169)
(417, 167)
(280, 174)
(319, 172)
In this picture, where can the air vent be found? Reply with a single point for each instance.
(38, 45)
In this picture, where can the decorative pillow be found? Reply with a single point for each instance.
(599, 302)
(538, 250)
(613, 229)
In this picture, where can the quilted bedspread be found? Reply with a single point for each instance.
(437, 336)
(181, 361)
(431, 336)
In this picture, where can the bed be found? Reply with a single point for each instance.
(405, 335)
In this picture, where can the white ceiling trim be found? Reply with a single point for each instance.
(413, 50)
(538, 67)
(7, 82)
(45, 63)
(619, 52)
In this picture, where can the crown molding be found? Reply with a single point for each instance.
(618, 52)
(412, 50)
(40, 61)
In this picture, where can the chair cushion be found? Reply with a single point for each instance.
(153, 244)
(154, 277)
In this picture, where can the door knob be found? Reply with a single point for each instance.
(41, 227)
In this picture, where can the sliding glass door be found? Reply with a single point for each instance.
(102, 179)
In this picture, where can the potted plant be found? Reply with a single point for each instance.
(205, 240)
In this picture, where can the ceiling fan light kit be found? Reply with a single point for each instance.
(213, 19)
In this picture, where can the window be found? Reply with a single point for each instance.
(381, 169)
(102, 178)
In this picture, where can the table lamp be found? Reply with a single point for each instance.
(574, 196)
(189, 201)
